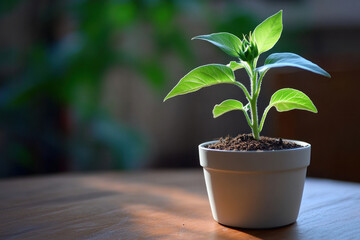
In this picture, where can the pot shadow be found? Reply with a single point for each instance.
(290, 231)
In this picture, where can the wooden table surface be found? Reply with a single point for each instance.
(157, 205)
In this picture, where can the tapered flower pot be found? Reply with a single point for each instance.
(255, 189)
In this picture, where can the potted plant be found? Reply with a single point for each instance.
(252, 181)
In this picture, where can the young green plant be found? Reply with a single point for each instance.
(247, 52)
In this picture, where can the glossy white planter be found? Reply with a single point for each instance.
(255, 189)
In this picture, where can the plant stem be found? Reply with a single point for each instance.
(260, 81)
(248, 97)
(254, 117)
(247, 118)
(263, 117)
(253, 103)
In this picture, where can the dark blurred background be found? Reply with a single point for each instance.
(82, 82)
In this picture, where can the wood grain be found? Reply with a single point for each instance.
(157, 205)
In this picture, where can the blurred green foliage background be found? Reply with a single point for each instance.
(56, 57)
(51, 116)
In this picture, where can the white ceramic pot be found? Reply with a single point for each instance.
(255, 189)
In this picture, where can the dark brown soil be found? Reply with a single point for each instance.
(246, 142)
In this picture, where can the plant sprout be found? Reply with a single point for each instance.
(247, 51)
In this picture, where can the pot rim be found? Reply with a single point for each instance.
(303, 145)
(255, 161)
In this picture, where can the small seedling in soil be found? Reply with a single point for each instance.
(247, 51)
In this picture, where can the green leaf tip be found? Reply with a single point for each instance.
(287, 99)
(200, 77)
(235, 65)
(268, 32)
(276, 60)
(227, 106)
(227, 42)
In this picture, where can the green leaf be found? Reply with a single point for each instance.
(202, 76)
(268, 32)
(235, 65)
(227, 42)
(227, 106)
(276, 60)
(287, 99)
